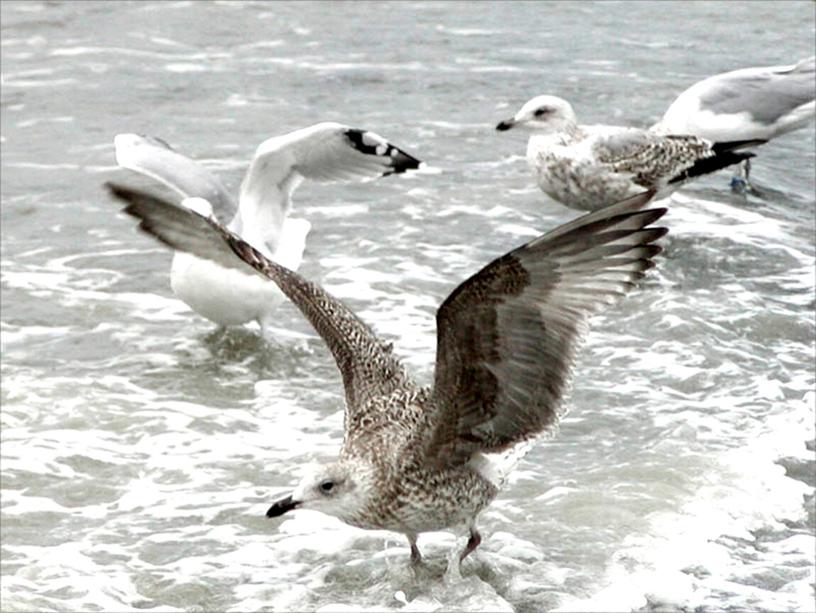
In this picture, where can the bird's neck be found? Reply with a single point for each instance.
(562, 133)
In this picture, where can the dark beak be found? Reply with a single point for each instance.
(281, 507)
(505, 125)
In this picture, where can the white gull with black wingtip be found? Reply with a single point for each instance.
(590, 166)
(420, 459)
(323, 152)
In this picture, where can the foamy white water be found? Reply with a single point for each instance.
(140, 450)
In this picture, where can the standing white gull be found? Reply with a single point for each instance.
(750, 103)
(588, 167)
(322, 152)
(422, 459)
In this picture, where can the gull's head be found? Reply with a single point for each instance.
(339, 489)
(542, 114)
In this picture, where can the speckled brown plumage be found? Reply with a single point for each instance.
(591, 166)
(413, 458)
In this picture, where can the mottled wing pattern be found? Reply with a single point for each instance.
(725, 155)
(649, 157)
(507, 337)
(366, 363)
(156, 159)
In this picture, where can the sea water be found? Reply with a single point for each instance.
(141, 447)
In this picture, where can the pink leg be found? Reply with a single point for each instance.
(473, 543)
(416, 557)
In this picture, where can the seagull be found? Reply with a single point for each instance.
(417, 459)
(323, 152)
(746, 104)
(589, 167)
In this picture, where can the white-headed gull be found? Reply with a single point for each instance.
(589, 167)
(323, 152)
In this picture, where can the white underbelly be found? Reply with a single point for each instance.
(224, 296)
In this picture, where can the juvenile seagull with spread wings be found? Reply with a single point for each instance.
(589, 167)
(750, 103)
(422, 459)
(322, 152)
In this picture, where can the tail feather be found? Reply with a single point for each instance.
(732, 145)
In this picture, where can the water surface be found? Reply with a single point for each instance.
(140, 449)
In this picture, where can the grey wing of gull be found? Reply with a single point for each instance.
(323, 152)
(507, 337)
(340, 152)
(156, 159)
(767, 94)
(366, 363)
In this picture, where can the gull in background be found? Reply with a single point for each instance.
(420, 459)
(323, 152)
(747, 104)
(589, 167)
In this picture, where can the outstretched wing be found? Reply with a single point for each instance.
(322, 152)
(507, 337)
(156, 159)
(334, 152)
(366, 364)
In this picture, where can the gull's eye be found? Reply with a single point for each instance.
(327, 486)
(542, 111)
